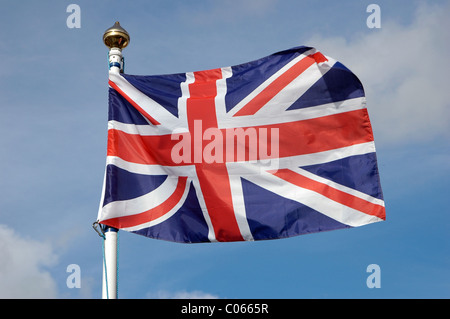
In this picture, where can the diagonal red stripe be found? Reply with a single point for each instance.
(332, 193)
(129, 99)
(280, 83)
(152, 214)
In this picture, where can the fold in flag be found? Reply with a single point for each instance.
(274, 148)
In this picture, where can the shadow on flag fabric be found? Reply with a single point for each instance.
(277, 147)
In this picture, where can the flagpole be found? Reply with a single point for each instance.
(115, 38)
(109, 285)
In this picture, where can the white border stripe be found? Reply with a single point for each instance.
(326, 156)
(295, 115)
(202, 203)
(243, 168)
(219, 100)
(186, 170)
(144, 130)
(182, 101)
(239, 207)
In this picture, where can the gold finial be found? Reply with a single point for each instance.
(116, 37)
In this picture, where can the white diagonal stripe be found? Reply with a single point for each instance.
(142, 203)
(339, 187)
(154, 109)
(316, 201)
(167, 215)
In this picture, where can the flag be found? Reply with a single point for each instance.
(273, 148)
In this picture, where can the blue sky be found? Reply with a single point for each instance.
(53, 125)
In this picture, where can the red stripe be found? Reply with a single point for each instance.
(280, 83)
(332, 193)
(152, 214)
(151, 150)
(295, 138)
(213, 178)
(316, 135)
(140, 109)
(323, 133)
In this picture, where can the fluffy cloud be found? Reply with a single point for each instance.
(404, 70)
(22, 264)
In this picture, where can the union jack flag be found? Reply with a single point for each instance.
(273, 148)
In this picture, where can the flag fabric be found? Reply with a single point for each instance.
(277, 147)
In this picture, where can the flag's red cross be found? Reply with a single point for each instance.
(314, 135)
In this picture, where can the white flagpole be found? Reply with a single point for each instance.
(115, 38)
(109, 286)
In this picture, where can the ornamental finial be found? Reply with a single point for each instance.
(116, 37)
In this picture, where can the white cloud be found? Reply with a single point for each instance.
(182, 295)
(404, 70)
(22, 264)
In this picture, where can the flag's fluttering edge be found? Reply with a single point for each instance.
(277, 147)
